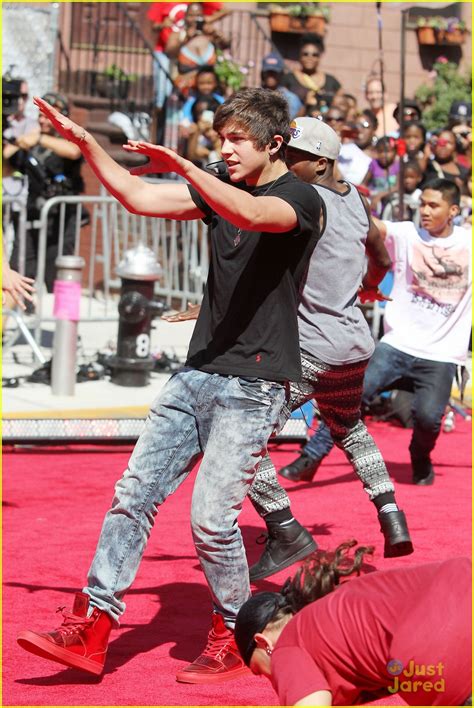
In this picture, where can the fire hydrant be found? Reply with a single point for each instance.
(133, 362)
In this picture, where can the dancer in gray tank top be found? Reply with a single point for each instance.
(336, 345)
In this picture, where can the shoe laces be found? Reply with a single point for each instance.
(72, 623)
(216, 645)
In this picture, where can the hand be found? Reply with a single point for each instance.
(463, 130)
(26, 142)
(203, 124)
(372, 294)
(190, 314)
(428, 150)
(18, 286)
(161, 159)
(62, 124)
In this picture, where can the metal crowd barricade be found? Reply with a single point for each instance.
(180, 247)
(15, 228)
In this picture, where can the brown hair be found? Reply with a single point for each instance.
(321, 572)
(263, 113)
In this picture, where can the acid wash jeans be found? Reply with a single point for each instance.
(226, 419)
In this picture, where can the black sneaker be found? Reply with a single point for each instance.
(302, 469)
(284, 546)
(423, 472)
(397, 537)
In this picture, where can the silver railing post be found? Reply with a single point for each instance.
(67, 299)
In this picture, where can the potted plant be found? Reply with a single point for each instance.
(441, 30)
(114, 82)
(426, 30)
(299, 17)
(455, 31)
(232, 76)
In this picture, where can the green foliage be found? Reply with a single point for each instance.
(229, 72)
(302, 9)
(449, 85)
(448, 24)
(116, 74)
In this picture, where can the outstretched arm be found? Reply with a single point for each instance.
(381, 227)
(379, 262)
(240, 208)
(168, 200)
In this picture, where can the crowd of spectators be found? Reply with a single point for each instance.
(376, 156)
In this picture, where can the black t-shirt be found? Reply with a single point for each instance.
(247, 325)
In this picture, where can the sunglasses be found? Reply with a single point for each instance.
(310, 54)
(365, 124)
(24, 96)
(334, 119)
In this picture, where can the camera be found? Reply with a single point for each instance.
(200, 24)
(350, 130)
(207, 116)
(11, 93)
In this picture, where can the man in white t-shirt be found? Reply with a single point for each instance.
(427, 323)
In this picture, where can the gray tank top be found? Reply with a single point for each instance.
(331, 326)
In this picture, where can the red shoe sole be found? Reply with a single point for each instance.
(35, 644)
(185, 677)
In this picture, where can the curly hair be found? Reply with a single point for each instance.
(321, 572)
(317, 577)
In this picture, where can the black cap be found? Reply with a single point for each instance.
(58, 101)
(461, 110)
(253, 617)
(411, 105)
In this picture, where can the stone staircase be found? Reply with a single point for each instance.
(92, 112)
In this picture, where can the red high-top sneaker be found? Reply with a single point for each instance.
(80, 642)
(220, 660)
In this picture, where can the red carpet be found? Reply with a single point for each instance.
(54, 501)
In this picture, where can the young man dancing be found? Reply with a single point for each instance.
(227, 400)
(427, 324)
(335, 342)
(335, 345)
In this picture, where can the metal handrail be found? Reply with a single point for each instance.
(181, 248)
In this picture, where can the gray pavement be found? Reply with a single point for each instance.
(91, 398)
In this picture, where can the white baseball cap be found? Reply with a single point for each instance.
(314, 136)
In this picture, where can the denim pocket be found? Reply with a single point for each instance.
(259, 390)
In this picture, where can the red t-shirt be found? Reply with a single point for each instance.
(372, 632)
(176, 10)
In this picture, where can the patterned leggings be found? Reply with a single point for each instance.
(338, 392)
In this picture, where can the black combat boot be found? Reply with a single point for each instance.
(285, 545)
(302, 469)
(423, 472)
(397, 537)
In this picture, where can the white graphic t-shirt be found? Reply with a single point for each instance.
(430, 315)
